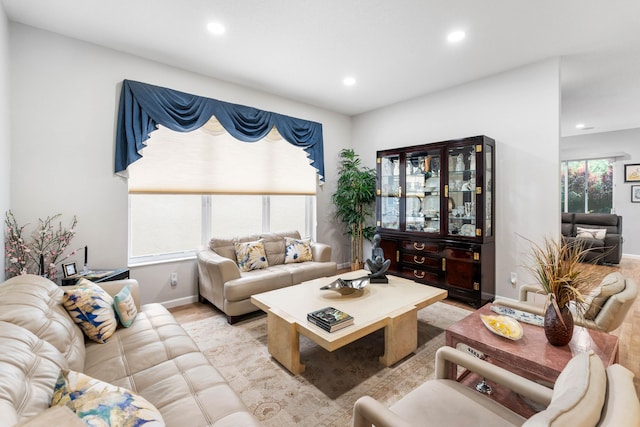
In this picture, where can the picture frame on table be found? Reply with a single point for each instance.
(632, 172)
(70, 269)
(635, 194)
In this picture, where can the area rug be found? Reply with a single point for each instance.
(325, 393)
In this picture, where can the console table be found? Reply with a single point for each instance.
(98, 276)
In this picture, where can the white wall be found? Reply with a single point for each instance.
(5, 146)
(520, 110)
(64, 106)
(603, 145)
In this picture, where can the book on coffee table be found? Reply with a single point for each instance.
(330, 319)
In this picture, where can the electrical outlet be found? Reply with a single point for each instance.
(174, 279)
(514, 278)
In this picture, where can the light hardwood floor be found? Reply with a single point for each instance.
(628, 333)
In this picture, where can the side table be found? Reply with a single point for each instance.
(98, 276)
(532, 355)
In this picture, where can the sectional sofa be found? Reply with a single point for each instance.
(601, 233)
(153, 359)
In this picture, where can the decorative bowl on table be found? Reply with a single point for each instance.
(347, 286)
(504, 326)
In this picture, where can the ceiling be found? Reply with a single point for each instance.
(396, 50)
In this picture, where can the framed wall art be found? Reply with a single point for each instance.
(632, 173)
(635, 194)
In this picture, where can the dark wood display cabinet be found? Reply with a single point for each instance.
(435, 215)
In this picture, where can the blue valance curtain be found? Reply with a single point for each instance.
(144, 106)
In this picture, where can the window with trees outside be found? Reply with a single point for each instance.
(189, 187)
(586, 186)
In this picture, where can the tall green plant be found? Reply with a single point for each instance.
(354, 200)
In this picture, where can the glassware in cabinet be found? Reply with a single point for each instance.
(389, 191)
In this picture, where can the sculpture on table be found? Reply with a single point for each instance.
(377, 264)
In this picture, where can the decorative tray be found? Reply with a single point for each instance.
(523, 316)
(347, 286)
(504, 326)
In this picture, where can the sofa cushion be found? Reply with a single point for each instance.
(99, 403)
(251, 255)
(125, 306)
(591, 233)
(35, 303)
(297, 250)
(578, 394)
(92, 309)
(275, 245)
(29, 368)
(54, 416)
(611, 284)
(256, 282)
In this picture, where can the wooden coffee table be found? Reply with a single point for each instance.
(392, 306)
(532, 355)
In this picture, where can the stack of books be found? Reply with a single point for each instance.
(330, 319)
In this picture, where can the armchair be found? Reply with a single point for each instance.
(585, 394)
(614, 297)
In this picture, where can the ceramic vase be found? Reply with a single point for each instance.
(557, 332)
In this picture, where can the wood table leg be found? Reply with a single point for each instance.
(400, 337)
(283, 343)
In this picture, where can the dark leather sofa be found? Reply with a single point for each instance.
(607, 250)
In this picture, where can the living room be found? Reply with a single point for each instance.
(60, 98)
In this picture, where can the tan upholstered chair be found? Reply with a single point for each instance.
(585, 394)
(615, 296)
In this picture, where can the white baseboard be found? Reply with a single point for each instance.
(180, 301)
(630, 256)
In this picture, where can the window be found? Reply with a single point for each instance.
(587, 186)
(191, 186)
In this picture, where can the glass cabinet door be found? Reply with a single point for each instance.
(390, 192)
(461, 189)
(422, 177)
(488, 199)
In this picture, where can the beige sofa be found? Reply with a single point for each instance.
(585, 394)
(223, 284)
(154, 358)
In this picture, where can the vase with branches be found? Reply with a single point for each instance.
(40, 251)
(354, 199)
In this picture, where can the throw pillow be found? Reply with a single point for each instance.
(251, 255)
(125, 306)
(591, 233)
(297, 250)
(92, 309)
(102, 404)
(612, 284)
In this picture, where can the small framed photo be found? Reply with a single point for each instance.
(635, 194)
(70, 269)
(632, 173)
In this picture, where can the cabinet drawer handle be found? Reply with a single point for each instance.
(419, 274)
(418, 247)
(421, 261)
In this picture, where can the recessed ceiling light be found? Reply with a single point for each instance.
(216, 28)
(456, 36)
(349, 81)
(580, 126)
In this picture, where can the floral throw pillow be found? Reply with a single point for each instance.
(297, 250)
(92, 309)
(125, 306)
(251, 255)
(102, 404)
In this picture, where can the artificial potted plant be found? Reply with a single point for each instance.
(558, 270)
(354, 200)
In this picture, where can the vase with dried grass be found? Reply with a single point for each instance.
(558, 269)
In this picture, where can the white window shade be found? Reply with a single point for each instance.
(210, 161)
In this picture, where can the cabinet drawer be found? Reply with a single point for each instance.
(421, 260)
(412, 245)
(420, 275)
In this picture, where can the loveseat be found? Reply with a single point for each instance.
(154, 358)
(277, 260)
(586, 394)
(601, 233)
